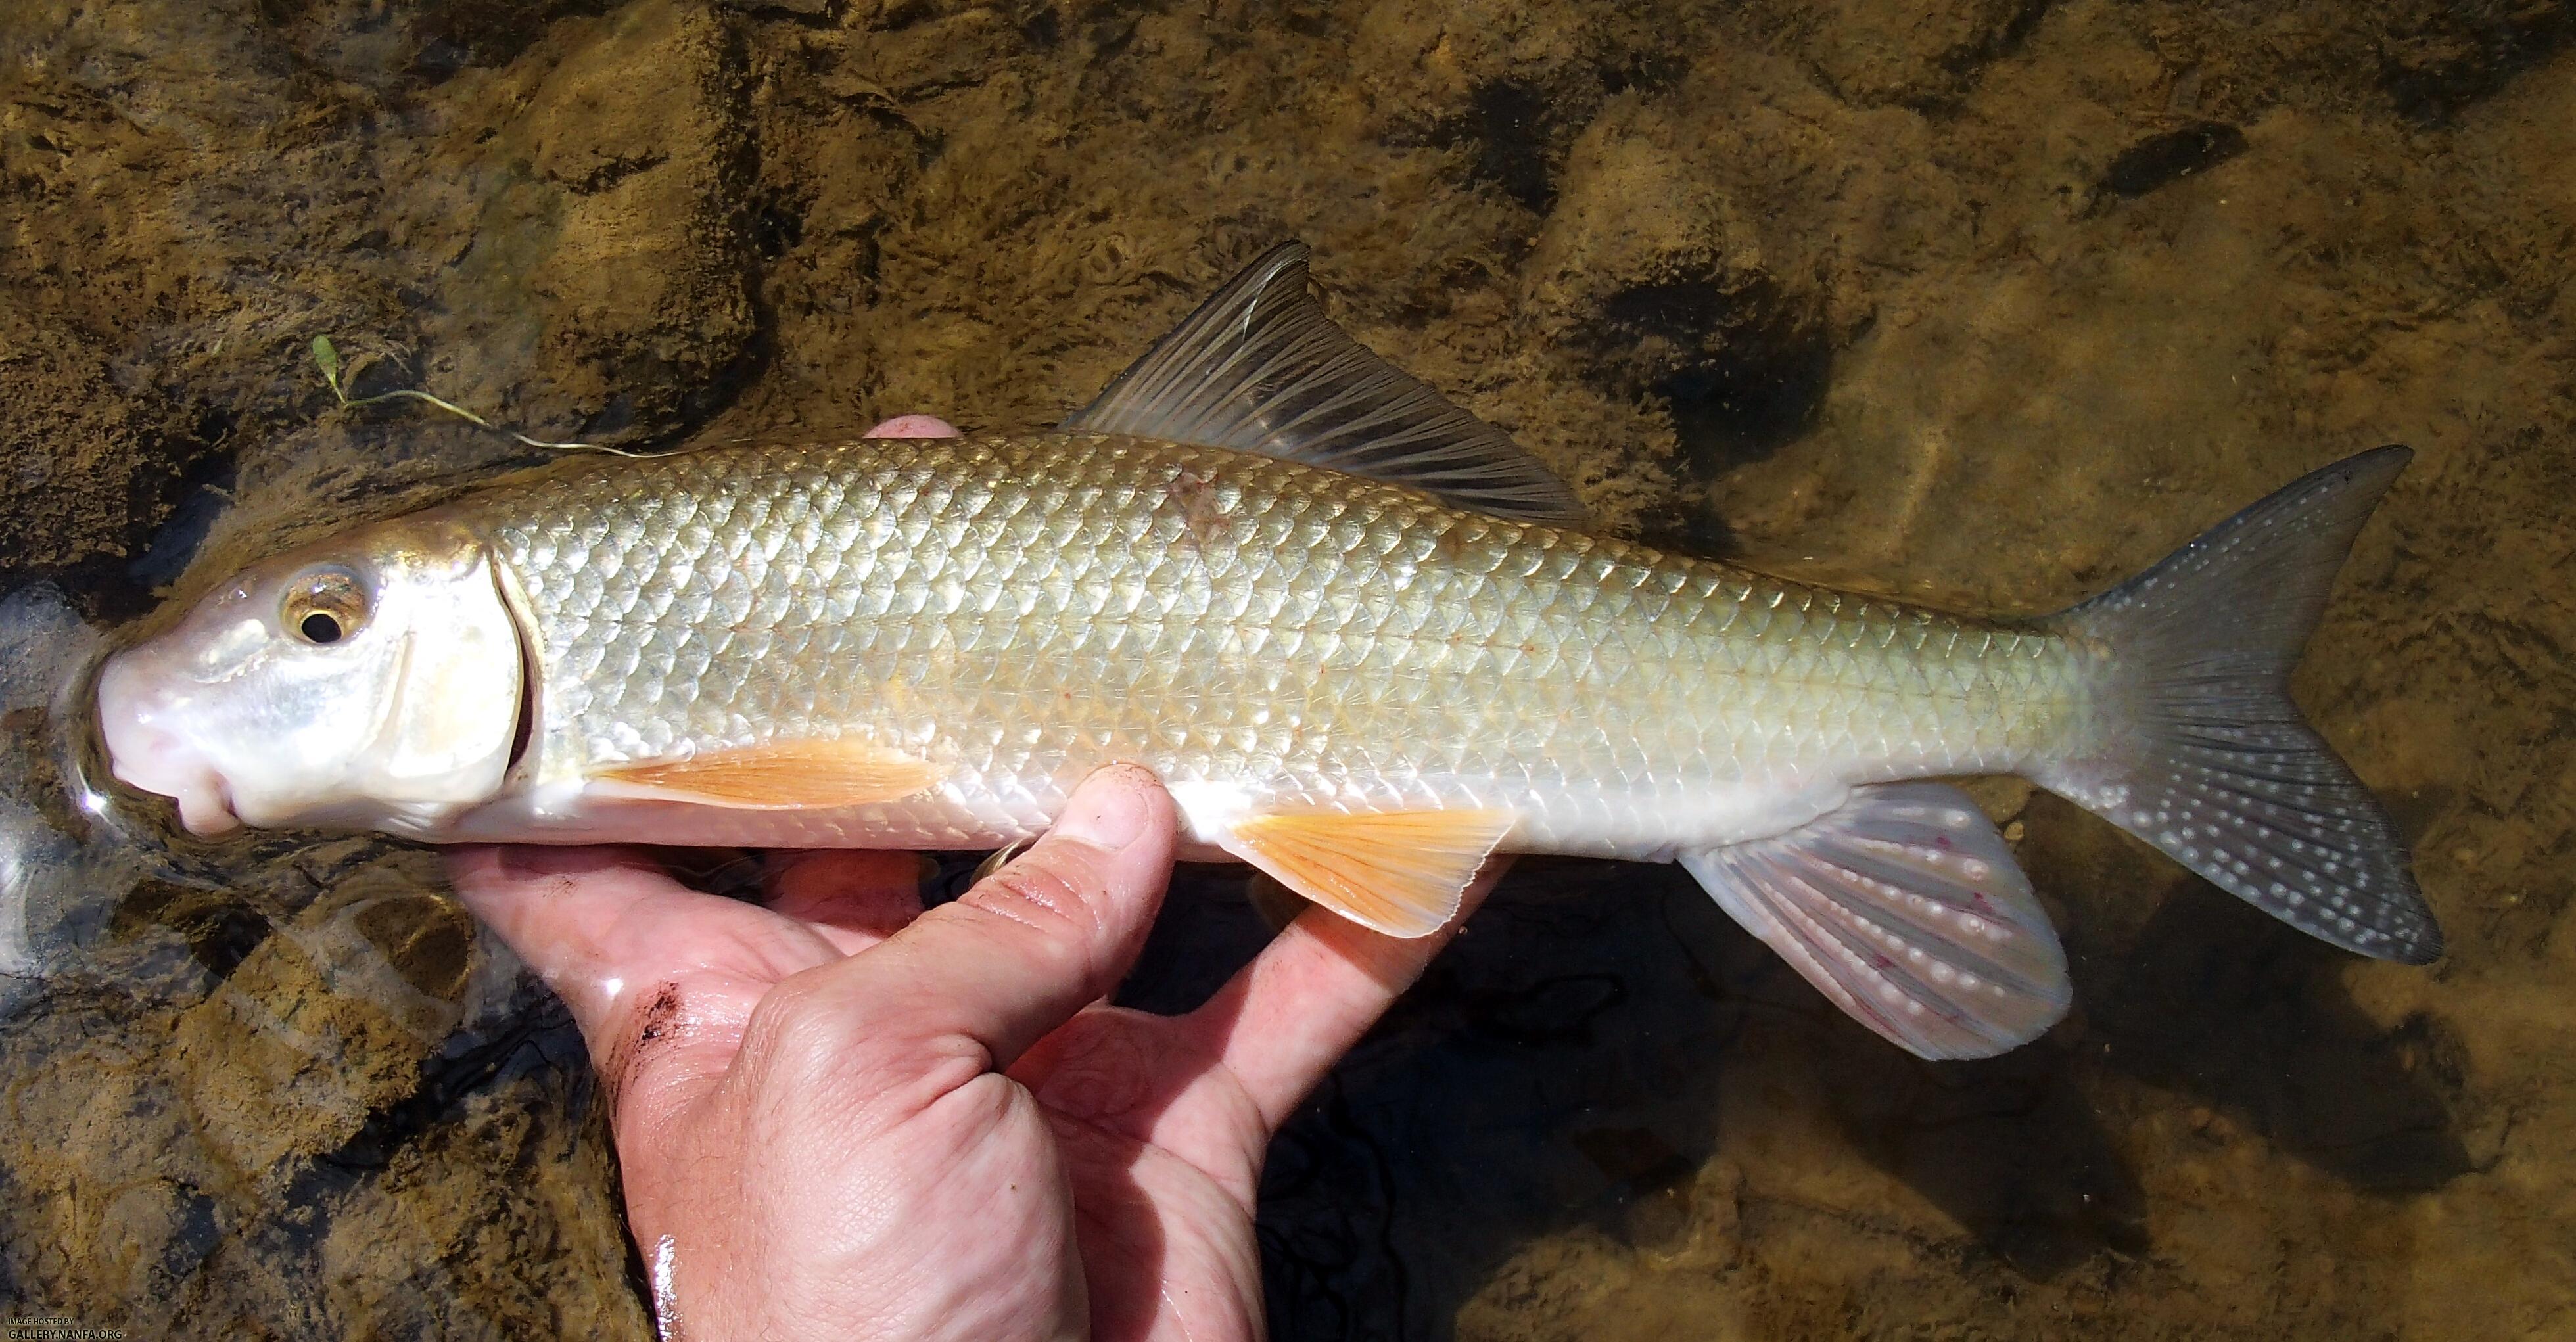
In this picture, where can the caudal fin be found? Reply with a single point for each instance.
(2200, 751)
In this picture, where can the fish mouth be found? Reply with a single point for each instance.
(144, 753)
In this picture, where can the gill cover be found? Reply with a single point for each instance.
(371, 681)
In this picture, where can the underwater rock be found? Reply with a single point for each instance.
(446, 36)
(1668, 272)
(314, 1027)
(596, 283)
(1510, 84)
(1648, 266)
(85, 465)
(2428, 61)
(1905, 51)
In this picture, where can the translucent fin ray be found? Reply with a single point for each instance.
(2207, 758)
(1906, 910)
(1399, 872)
(1260, 368)
(779, 776)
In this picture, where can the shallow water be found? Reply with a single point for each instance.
(1987, 302)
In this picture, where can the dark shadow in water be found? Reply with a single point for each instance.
(1756, 383)
(2462, 53)
(539, 1038)
(1520, 133)
(1557, 1065)
(2008, 1147)
(189, 471)
(2219, 1001)
(165, 556)
(1561, 1066)
(448, 37)
(2169, 156)
(219, 929)
(531, 1053)
(1732, 411)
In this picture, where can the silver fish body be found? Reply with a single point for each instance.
(1263, 634)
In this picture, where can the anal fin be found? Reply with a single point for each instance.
(1398, 872)
(1275, 904)
(1906, 909)
(776, 776)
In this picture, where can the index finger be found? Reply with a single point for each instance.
(600, 925)
(1282, 1021)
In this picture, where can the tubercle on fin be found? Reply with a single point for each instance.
(2207, 756)
(1905, 909)
(776, 776)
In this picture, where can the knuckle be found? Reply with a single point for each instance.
(796, 1033)
(1051, 890)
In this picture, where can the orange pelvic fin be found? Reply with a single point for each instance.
(778, 776)
(1399, 872)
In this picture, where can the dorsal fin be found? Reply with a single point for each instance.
(1260, 368)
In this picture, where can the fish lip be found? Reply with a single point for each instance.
(213, 813)
(147, 755)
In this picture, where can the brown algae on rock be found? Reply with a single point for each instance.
(1993, 302)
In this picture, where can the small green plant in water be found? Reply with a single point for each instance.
(327, 358)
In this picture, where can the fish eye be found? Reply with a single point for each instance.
(325, 606)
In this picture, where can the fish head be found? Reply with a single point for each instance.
(372, 681)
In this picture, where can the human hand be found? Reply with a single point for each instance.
(840, 1117)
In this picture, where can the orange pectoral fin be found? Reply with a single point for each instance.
(1399, 872)
(779, 776)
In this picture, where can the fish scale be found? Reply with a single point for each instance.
(1018, 610)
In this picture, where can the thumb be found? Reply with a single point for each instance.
(1030, 945)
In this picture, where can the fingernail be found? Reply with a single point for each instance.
(1110, 809)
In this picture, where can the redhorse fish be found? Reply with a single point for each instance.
(1362, 636)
